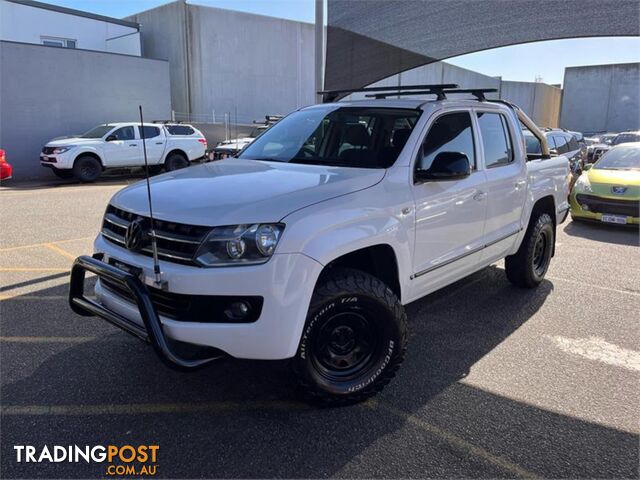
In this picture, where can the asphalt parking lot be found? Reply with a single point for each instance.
(498, 382)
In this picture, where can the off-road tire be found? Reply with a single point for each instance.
(155, 169)
(525, 268)
(87, 169)
(175, 161)
(64, 174)
(378, 322)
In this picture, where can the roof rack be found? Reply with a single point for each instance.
(331, 95)
(269, 120)
(440, 92)
(165, 122)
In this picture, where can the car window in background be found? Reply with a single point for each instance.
(124, 133)
(626, 138)
(573, 144)
(620, 158)
(533, 144)
(149, 132)
(97, 132)
(451, 132)
(179, 130)
(495, 139)
(362, 137)
(561, 144)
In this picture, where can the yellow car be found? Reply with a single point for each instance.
(609, 190)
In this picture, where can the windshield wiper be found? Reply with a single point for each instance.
(317, 161)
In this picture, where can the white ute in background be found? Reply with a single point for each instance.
(119, 145)
(310, 243)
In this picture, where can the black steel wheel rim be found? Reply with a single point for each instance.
(346, 345)
(88, 170)
(540, 253)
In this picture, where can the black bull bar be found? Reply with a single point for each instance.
(152, 331)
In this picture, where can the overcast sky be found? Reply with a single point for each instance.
(546, 60)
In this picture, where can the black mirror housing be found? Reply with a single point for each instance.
(111, 138)
(446, 166)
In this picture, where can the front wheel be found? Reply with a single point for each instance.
(528, 266)
(353, 342)
(87, 169)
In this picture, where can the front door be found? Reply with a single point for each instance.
(450, 214)
(123, 148)
(154, 142)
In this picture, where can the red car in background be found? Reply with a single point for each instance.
(5, 168)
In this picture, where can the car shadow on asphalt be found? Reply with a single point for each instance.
(424, 424)
(620, 235)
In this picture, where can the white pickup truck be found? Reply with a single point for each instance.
(309, 244)
(119, 145)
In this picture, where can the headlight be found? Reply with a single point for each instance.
(239, 245)
(583, 184)
(58, 150)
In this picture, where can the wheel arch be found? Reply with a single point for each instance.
(379, 260)
(545, 204)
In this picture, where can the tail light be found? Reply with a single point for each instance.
(3, 157)
(203, 141)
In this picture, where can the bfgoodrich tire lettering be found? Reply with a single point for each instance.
(528, 266)
(353, 342)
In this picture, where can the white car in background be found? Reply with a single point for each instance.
(119, 145)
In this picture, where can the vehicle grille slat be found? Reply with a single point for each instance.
(176, 242)
(613, 206)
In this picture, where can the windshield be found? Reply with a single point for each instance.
(626, 138)
(97, 132)
(620, 158)
(361, 137)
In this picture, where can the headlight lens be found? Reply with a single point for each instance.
(239, 245)
(583, 184)
(58, 150)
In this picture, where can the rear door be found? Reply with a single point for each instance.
(155, 143)
(504, 163)
(124, 149)
(450, 214)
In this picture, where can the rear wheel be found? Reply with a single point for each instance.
(528, 266)
(175, 161)
(87, 169)
(65, 174)
(353, 342)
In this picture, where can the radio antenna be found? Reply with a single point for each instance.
(154, 246)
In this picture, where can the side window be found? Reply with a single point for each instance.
(573, 144)
(561, 144)
(149, 132)
(496, 139)
(180, 130)
(451, 132)
(124, 133)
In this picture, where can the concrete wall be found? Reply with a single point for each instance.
(601, 98)
(222, 60)
(541, 102)
(27, 24)
(47, 92)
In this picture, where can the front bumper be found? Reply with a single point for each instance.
(285, 282)
(60, 161)
(579, 213)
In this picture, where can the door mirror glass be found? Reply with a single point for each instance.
(553, 152)
(587, 166)
(111, 138)
(446, 166)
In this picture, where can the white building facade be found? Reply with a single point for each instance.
(27, 21)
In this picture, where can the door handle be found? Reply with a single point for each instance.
(478, 197)
(158, 143)
(133, 144)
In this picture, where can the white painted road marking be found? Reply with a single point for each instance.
(595, 348)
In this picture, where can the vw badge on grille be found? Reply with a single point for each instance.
(134, 236)
(619, 190)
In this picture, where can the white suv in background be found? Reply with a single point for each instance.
(119, 145)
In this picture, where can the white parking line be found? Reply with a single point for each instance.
(598, 349)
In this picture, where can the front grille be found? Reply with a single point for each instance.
(192, 308)
(629, 208)
(176, 242)
(48, 150)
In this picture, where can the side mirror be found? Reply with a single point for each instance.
(446, 166)
(111, 138)
(553, 152)
(587, 166)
